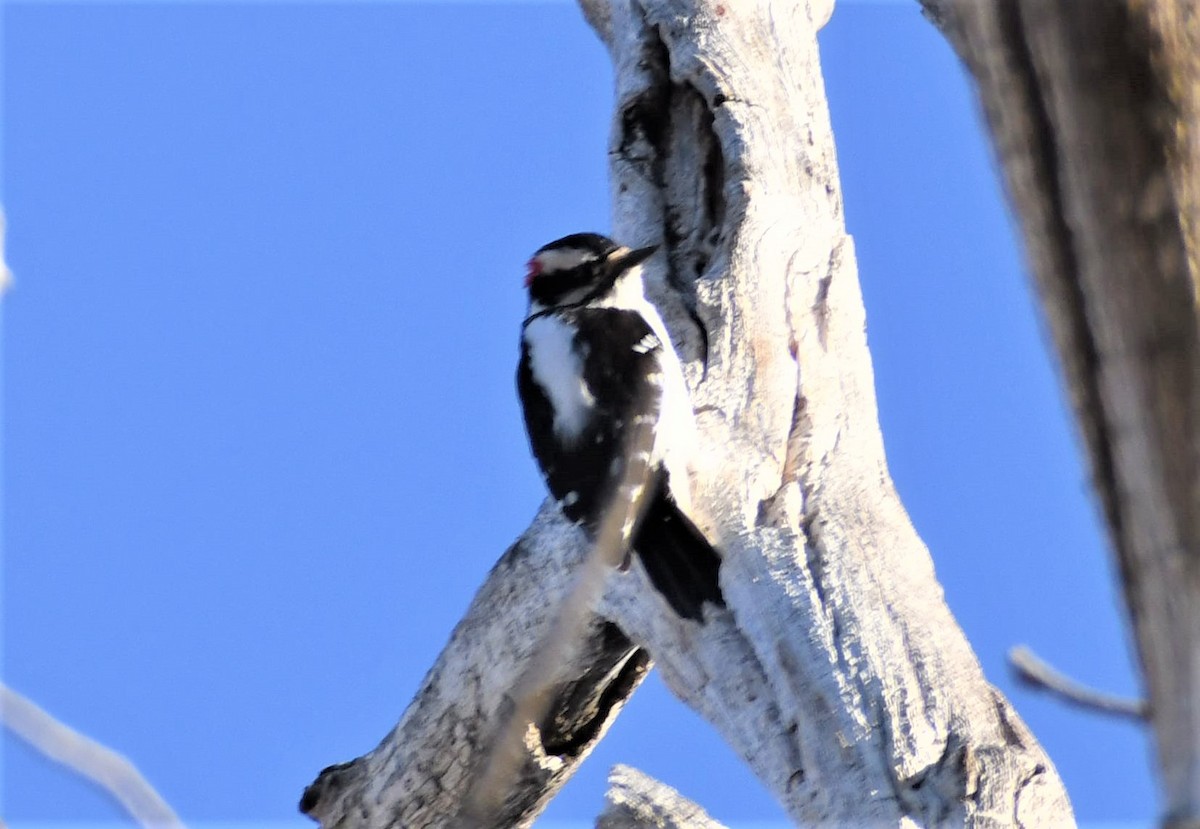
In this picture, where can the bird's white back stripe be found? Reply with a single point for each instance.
(557, 368)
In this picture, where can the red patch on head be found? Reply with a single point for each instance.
(533, 272)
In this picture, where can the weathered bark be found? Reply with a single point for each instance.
(1095, 112)
(837, 672)
(637, 801)
(421, 773)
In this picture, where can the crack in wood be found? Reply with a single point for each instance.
(667, 133)
(582, 706)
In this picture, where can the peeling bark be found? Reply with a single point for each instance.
(1095, 113)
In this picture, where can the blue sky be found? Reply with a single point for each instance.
(261, 440)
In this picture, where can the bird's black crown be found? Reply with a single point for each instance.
(585, 243)
(578, 267)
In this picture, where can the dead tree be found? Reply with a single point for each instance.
(837, 671)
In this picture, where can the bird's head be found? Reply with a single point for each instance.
(578, 268)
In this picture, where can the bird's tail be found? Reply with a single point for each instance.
(682, 565)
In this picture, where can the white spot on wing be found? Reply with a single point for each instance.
(558, 369)
(646, 344)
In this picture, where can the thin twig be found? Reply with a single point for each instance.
(1036, 673)
(6, 277)
(89, 759)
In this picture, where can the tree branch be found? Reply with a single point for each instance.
(114, 774)
(534, 693)
(422, 772)
(6, 277)
(638, 801)
(1035, 672)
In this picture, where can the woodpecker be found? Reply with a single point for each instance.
(597, 375)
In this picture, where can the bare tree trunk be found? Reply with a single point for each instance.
(1095, 111)
(837, 671)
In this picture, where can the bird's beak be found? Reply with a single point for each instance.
(624, 259)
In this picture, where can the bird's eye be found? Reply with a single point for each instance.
(534, 270)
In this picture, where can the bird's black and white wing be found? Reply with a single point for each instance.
(592, 380)
(587, 376)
